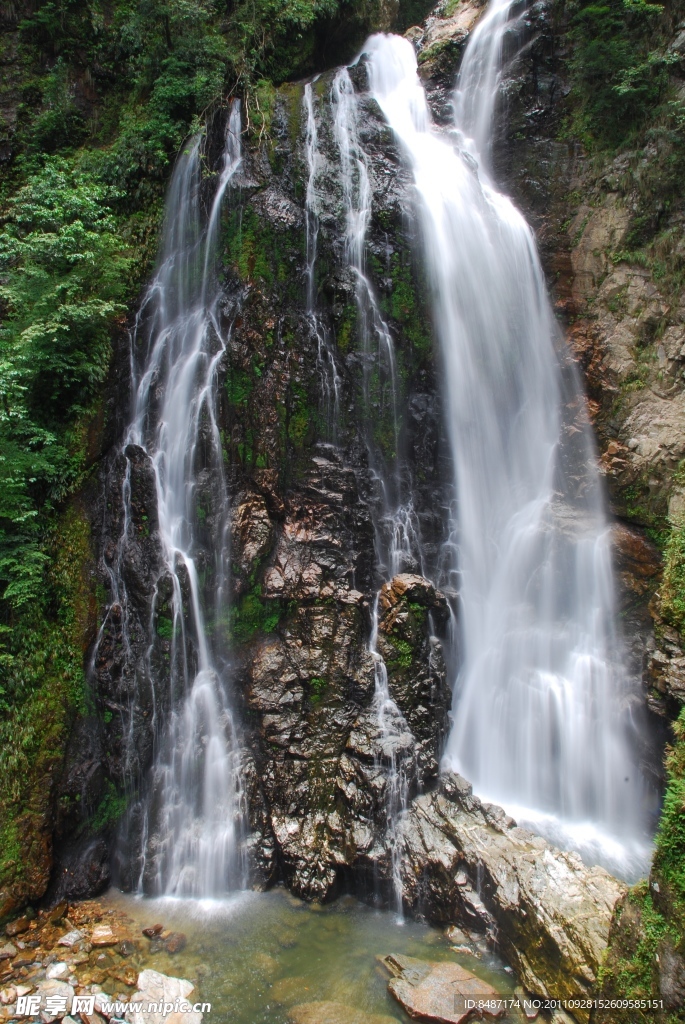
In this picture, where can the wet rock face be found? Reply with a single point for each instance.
(468, 862)
(411, 613)
(297, 405)
(317, 743)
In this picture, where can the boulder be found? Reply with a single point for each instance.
(440, 992)
(550, 913)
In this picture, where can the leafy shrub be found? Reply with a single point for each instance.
(63, 284)
(618, 75)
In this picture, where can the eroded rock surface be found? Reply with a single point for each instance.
(468, 862)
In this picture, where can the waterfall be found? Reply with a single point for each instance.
(396, 535)
(193, 813)
(540, 721)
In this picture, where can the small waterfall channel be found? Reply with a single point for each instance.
(397, 540)
(192, 809)
(540, 721)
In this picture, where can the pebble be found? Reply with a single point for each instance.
(17, 927)
(58, 970)
(102, 935)
(70, 939)
(175, 942)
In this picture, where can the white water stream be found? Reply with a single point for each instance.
(194, 812)
(539, 716)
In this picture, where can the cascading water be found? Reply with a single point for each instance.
(539, 716)
(398, 547)
(194, 813)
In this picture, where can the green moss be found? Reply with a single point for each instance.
(653, 914)
(165, 627)
(109, 810)
(250, 616)
(405, 653)
(346, 329)
(42, 689)
(669, 860)
(239, 386)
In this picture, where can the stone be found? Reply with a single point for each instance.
(442, 41)
(550, 912)
(334, 1013)
(8, 995)
(52, 987)
(102, 935)
(17, 927)
(154, 987)
(57, 913)
(671, 976)
(175, 942)
(155, 929)
(70, 939)
(439, 992)
(7, 951)
(58, 970)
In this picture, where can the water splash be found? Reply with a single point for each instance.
(539, 716)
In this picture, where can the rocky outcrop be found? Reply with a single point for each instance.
(549, 914)
(320, 753)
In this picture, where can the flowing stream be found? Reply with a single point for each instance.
(539, 716)
(193, 810)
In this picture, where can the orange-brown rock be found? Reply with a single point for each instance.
(445, 993)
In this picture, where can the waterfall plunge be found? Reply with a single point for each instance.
(539, 718)
(193, 817)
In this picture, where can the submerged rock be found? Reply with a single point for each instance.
(440, 992)
(334, 1013)
(551, 914)
(158, 989)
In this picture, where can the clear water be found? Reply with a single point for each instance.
(255, 955)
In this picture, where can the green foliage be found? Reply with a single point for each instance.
(108, 811)
(63, 269)
(317, 687)
(619, 64)
(673, 585)
(42, 687)
(405, 306)
(654, 913)
(669, 860)
(405, 652)
(165, 627)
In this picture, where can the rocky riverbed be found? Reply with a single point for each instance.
(258, 958)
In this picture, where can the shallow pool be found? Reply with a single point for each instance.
(256, 955)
